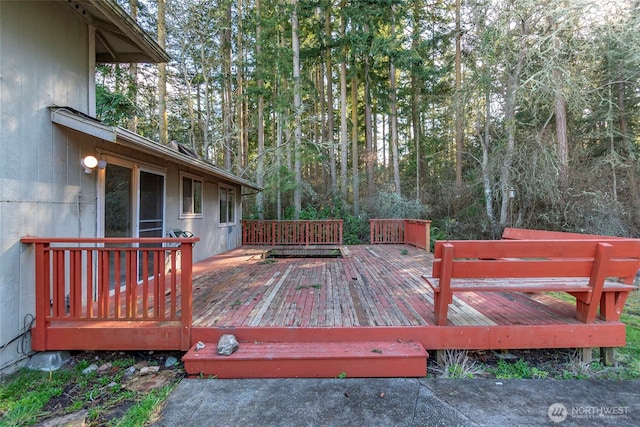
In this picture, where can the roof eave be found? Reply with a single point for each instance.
(118, 135)
(112, 22)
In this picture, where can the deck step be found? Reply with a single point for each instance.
(310, 360)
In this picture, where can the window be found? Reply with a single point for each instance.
(191, 196)
(227, 205)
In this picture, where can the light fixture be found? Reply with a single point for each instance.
(89, 163)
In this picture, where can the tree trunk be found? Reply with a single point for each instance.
(344, 135)
(243, 145)
(458, 99)
(394, 112)
(297, 105)
(227, 91)
(163, 122)
(260, 124)
(330, 118)
(368, 134)
(513, 81)
(132, 124)
(415, 108)
(355, 161)
(486, 174)
(560, 110)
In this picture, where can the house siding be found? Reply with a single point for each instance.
(44, 55)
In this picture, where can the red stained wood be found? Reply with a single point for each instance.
(271, 232)
(528, 234)
(67, 291)
(400, 231)
(373, 293)
(583, 268)
(310, 360)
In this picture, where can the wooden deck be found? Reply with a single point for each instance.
(373, 292)
(366, 313)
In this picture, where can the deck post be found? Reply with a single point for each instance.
(186, 299)
(607, 356)
(586, 354)
(42, 295)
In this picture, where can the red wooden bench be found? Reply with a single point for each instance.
(598, 273)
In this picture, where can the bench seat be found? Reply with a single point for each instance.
(546, 284)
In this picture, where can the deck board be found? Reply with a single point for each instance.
(370, 286)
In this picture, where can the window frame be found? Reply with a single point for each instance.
(227, 189)
(192, 213)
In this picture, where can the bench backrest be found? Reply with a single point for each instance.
(536, 258)
(528, 234)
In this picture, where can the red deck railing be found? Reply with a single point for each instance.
(271, 232)
(414, 232)
(139, 281)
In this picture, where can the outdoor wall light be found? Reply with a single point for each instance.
(89, 163)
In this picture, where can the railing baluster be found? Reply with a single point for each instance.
(321, 232)
(59, 282)
(88, 299)
(146, 285)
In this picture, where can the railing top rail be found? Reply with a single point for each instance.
(292, 220)
(398, 220)
(109, 240)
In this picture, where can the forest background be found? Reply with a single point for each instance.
(476, 114)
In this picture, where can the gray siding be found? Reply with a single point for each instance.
(44, 55)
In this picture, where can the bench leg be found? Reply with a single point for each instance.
(585, 311)
(588, 311)
(440, 308)
(611, 305)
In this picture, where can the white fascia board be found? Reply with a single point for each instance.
(68, 119)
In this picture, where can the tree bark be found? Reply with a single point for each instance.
(458, 100)
(370, 157)
(330, 117)
(260, 124)
(163, 122)
(394, 112)
(297, 105)
(344, 135)
(241, 102)
(355, 161)
(227, 91)
(132, 125)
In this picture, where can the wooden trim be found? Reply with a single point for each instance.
(600, 334)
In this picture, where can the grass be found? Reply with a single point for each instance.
(458, 364)
(146, 410)
(519, 369)
(548, 363)
(29, 397)
(23, 398)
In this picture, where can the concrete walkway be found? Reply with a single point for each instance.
(402, 402)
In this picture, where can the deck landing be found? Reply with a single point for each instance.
(310, 360)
